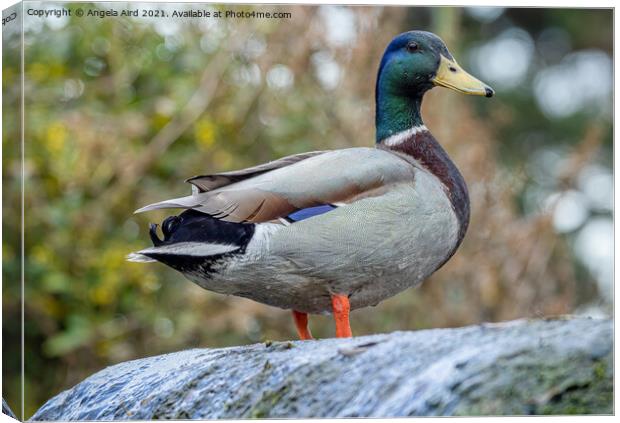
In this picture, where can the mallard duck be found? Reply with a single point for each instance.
(336, 230)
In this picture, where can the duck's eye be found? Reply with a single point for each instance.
(412, 46)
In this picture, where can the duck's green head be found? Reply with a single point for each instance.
(413, 63)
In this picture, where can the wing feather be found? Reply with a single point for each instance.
(217, 180)
(321, 178)
(246, 206)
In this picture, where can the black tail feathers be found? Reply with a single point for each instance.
(194, 226)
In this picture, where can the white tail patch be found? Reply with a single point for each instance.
(175, 203)
(139, 258)
(401, 137)
(196, 249)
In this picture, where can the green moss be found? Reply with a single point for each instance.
(263, 407)
(593, 397)
(596, 398)
(576, 385)
(600, 370)
(182, 415)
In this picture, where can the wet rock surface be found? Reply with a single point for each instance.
(7, 410)
(553, 366)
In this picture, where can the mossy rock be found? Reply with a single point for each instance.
(552, 366)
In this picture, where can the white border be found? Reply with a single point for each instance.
(522, 3)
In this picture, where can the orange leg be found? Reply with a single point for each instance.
(341, 308)
(301, 322)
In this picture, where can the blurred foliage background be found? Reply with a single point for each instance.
(119, 111)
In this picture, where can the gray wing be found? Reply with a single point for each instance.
(210, 182)
(339, 176)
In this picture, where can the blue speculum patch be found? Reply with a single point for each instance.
(310, 212)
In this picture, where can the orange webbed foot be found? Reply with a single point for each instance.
(301, 323)
(341, 308)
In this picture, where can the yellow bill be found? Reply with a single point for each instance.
(451, 75)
